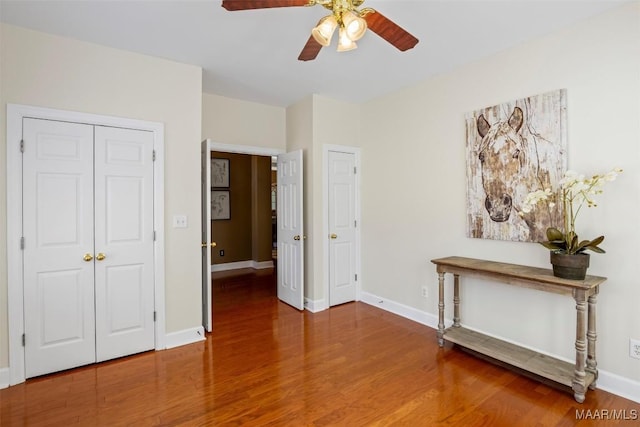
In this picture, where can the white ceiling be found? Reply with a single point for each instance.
(252, 55)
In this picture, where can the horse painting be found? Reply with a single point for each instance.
(513, 149)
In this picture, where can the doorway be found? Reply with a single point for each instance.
(209, 243)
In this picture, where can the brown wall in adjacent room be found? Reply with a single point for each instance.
(247, 235)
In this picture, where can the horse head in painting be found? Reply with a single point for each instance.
(503, 161)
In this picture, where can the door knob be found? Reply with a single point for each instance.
(333, 236)
(212, 244)
(87, 257)
(100, 256)
(296, 237)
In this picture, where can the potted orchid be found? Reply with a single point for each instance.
(574, 192)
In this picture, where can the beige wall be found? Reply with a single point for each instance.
(55, 72)
(232, 121)
(414, 185)
(312, 123)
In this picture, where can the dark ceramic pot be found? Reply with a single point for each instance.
(570, 266)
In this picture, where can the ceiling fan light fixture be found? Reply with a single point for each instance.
(323, 32)
(344, 42)
(354, 25)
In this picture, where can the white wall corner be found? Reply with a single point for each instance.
(4, 378)
(315, 306)
(184, 337)
(612, 383)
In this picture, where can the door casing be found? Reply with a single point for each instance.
(15, 115)
(326, 148)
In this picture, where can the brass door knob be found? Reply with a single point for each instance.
(212, 244)
(87, 257)
(100, 256)
(333, 236)
(296, 237)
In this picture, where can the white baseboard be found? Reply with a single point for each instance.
(259, 265)
(618, 385)
(4, 378)
(607, 381)
(315, 306)
(187, 336)
(401, 310)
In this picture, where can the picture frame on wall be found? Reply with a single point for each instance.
(220, 173)
(220, 205)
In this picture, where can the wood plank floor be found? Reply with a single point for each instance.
(266, 364)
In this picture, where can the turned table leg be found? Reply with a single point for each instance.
(456, 300)
(441, 309)
(579, 384)
(592, 364)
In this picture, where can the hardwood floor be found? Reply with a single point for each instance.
(266, 364)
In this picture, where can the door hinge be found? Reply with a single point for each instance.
(154, 316)
(154, 235)
(356, 277)
(355, 223)
(355, 170)
(24, 340)
(153, 156)
(22, 145)
(22, 243)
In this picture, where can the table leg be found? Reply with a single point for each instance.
(441, 309)
(592, 364)
(579, 384)
(456, 300)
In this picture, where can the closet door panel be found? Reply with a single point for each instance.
(58, 234)
(124, 242)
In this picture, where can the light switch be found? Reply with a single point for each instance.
(179, 221)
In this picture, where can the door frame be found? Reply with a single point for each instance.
(238, 149)
(15, 301)
(326, 148)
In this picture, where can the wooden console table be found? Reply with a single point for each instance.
(579, 376)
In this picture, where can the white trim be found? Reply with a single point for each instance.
(405, 311)
(326, 148)
(243, 149)
(4, 378)
(315, 306)
(184, 337)
(607, 381)
(15, 114)
(258, 265)
(620, 386)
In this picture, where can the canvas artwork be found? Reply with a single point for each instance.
(512, 149)
(220, 206)
(219, 172)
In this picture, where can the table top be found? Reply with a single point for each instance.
(512, 272)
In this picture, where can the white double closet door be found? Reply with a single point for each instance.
(88, 244)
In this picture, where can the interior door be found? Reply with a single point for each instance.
(58, 246)
(290, 229)
(124, 246)
(342, 228)
(207, 314)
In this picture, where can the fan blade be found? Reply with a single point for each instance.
(390, 31)
(261, 4)
(310, 50)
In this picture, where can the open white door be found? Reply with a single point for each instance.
(207, 318)
(290, 230)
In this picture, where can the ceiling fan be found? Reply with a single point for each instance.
(351, 23)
